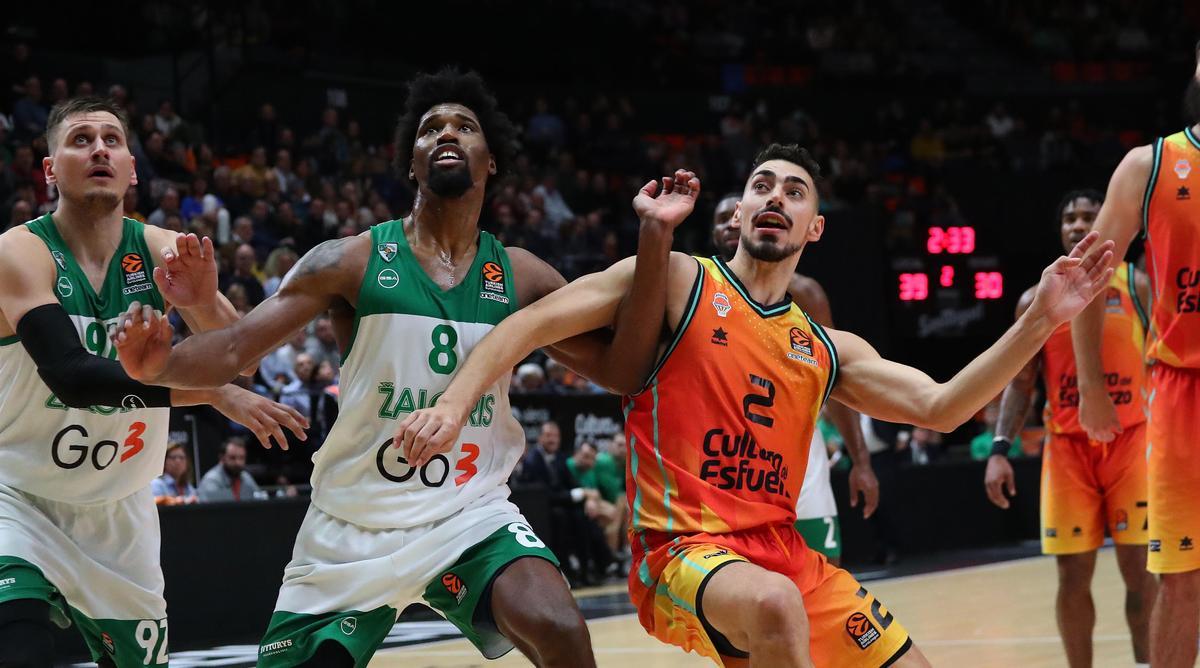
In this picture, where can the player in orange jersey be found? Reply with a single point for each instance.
(718, 437)
(816, 509)
(1152, 191)
(1087, 486)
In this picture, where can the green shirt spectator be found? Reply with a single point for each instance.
(981, 446)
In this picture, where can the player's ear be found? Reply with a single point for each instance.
(491, 164)
(132, 171)
(736, 220)
(48, 169)
(412, 172)
(815, 229)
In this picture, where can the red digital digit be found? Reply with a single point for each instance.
(914, 287)
(968, 239)
(467, 464)
(937, 240)
(947, 278)
(989, 285)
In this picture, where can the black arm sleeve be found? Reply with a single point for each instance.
(78, 378)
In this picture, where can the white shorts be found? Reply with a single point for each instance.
(339, 566)
(96, 565)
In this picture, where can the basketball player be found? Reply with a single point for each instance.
(409, 300)
(816, 509)
(80, 441)
(718, 437)
(1152, 191)
(1087, 487)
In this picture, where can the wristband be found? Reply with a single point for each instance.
(1001, 446)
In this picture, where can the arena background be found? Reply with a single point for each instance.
(923, 115)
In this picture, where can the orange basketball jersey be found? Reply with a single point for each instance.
(1124, 340)
(1171, 224)
(719, 438)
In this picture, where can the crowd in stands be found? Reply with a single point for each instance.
(282, 188)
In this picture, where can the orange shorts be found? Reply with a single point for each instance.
(1089, 488)
(847, 626)
(1174, 469)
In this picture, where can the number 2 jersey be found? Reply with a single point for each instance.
(81, 456)
(1123, 343)
(719, 439)
(409, 337)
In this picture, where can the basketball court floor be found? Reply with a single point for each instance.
(998, 614)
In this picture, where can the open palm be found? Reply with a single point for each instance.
(673, 203)
(1072, 282)
(188, 276)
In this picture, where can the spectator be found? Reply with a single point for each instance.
(556, 209)
(174, 486)
(606, 508)
(166, 120)
(167, 206)
(20, 214)
(981, 445)
(228, 480)
(279, 263)
(528, 378)
(59, 91)
(254, 174)
(29, 114)
(277, 368)
(131, 205)
(245, 273)
(283, 172)
(323, 345)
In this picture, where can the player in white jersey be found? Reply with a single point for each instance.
(409, 300)
(816, 509)
(79, 440)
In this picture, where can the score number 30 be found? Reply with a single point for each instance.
(914, 287)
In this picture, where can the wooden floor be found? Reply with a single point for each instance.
(995, 615)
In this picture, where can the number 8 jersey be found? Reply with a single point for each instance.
(408, 339)
(81, 456)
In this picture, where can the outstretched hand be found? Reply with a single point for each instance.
(143, 341)
(671, 204)
(187, 276)
(1072, 282)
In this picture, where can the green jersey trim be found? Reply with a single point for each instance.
(1191, 137)
(9, 340)
(833, 356)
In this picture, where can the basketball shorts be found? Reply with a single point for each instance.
(1173, 464)
(1089, 488)
(97, 566)
(347, 583)
(847, 625)
(822, 534)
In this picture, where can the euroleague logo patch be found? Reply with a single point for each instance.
(862, 630)
(492, 276)
(135, 274)
(455, 585)
(802, 346)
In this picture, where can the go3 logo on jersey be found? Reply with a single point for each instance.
(393, 466)
(71, 449)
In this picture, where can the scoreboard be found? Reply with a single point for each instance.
(954, 288)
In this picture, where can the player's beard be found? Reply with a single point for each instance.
(95, 201)
(1191, 101)
(768, 250)
(450, 183)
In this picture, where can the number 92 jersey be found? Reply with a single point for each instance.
(408, 339)
(81, 456)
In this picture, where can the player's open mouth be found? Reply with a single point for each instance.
(101, 171)
(771, 221)
(448, 156)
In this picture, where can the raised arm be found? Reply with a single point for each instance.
(621, 361)
(898, 393)
(325, 276)
(812, 298)
(1118, 222)
(1014, 407)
